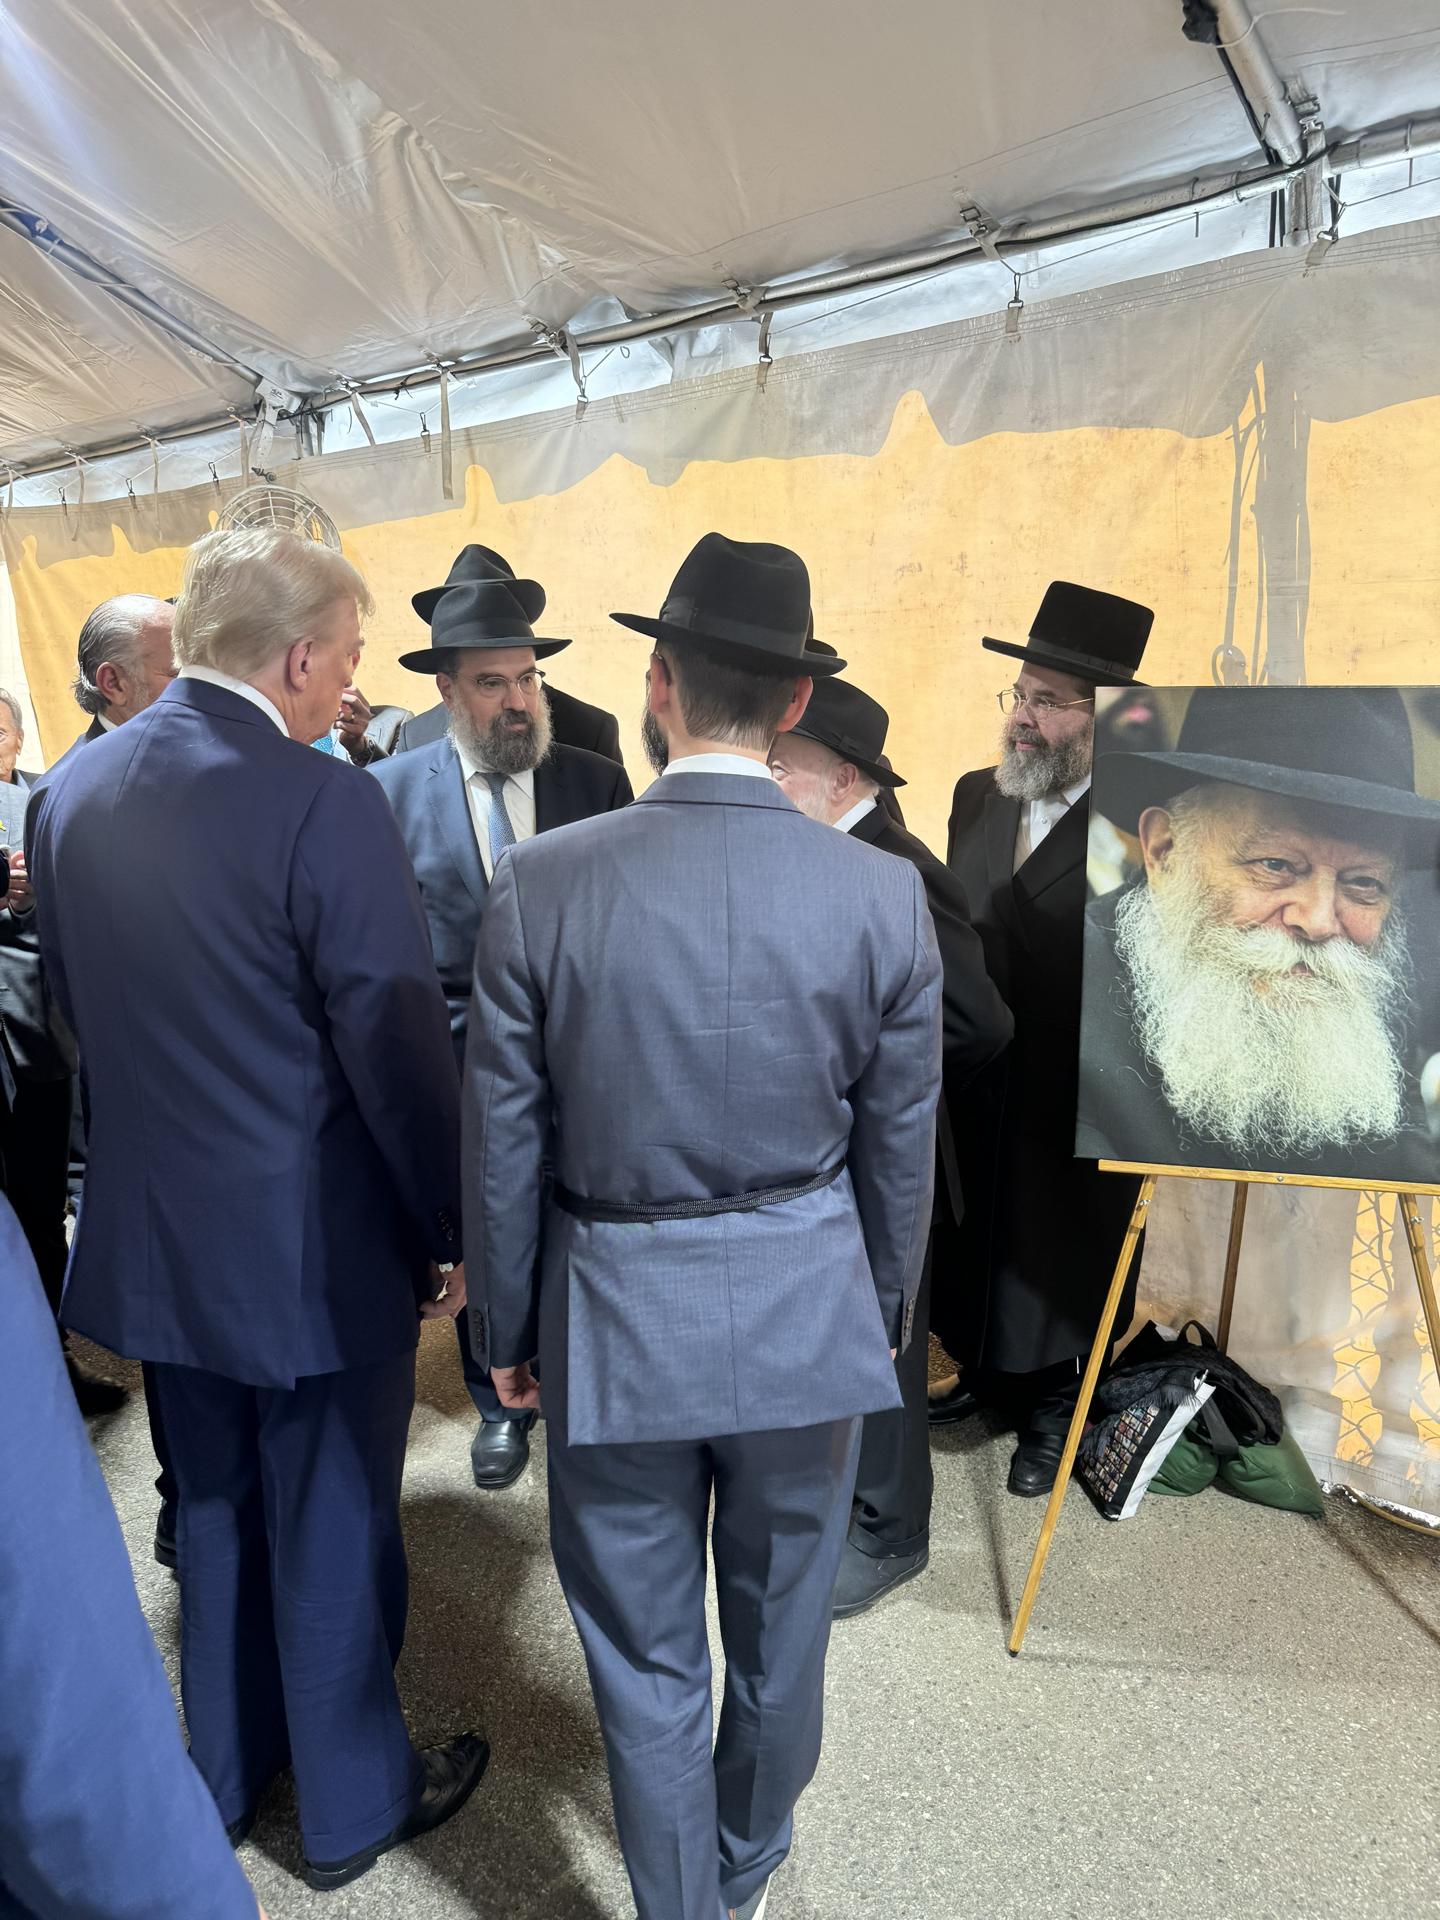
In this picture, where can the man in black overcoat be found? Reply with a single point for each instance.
(833, 766)
(1042, 1230)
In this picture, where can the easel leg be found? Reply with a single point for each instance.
(1232, 1261)
(1424, 1278)
(1082, 1409)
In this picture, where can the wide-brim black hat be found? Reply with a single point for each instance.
(1301, 743)
(1081, 631)
(483, 616)
(744, 602)
(839, 716)
(474, 563)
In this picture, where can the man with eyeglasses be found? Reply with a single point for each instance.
(496, 778)
(1038, 1243)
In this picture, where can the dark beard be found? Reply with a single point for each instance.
(503, 748)
(657, 747)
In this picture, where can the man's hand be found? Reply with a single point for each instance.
(22, 894)
(355, 716)
(448, 1300)
(517, 1387)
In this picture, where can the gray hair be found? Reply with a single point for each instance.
(9, 700)
(111, 633)
(250, 595)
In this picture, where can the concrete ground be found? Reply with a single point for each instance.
(1220, 1711)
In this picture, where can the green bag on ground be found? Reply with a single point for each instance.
(1190, 1467)
(1277, 1476)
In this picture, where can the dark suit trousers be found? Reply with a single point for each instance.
(34, 1155)
(293, 1592)
(895, 1483)
(701, 1829)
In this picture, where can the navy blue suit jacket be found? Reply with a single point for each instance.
(426, 787)
(101, 1811)
(233, 932)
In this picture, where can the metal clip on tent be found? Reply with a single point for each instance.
(767, 359)
(1014, 307)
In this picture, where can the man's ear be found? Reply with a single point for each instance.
(107, 679)
(799, 700)
(444, 686)
(297, 665)
(1157, 838)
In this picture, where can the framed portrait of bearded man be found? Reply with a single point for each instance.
(1262, 944)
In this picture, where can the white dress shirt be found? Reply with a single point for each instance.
(720, 763)
(857, 813)
(213, 677)
(108, 725)
(1039, 817)
(519, 796)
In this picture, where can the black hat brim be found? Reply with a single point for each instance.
(1128, 783)
(1040, 656)
(872, 770)
(437, 659)
(807, 665)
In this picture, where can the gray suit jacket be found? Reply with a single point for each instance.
(701, 996)
(35, 1039)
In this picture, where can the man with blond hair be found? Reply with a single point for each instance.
(272, 1201)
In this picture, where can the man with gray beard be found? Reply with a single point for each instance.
(1042, 1230)
(495, 779)
(1246, 1002)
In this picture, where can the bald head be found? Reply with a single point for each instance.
(124, 660)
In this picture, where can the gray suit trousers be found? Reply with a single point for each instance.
(703, 1822)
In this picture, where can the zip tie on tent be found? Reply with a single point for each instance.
(447, 466)
(1014, 307)
(767, 359)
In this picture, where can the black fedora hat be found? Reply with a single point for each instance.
(482, 615)
(744, 601)
(1301, 743)
(474, 563)
(1081, 631)
(839, 716)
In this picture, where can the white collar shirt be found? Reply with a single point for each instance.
(1039, 818)
(720, 763)
(213, 677)
(518, 795)
(848, 821)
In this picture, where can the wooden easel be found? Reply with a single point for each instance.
(1407, 1202)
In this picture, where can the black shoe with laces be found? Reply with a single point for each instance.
(452, 1773)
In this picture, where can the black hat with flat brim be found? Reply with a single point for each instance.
(1298, 743)
(744, 602)
(839, 716)
(481, 617)
(475, 563)
(1085, 633)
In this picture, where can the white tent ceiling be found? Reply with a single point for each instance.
(314, 191)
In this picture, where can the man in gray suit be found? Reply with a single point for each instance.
(722, 1021)
(495, 779)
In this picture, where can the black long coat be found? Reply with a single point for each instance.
(976, 1022)
(1042, 1230)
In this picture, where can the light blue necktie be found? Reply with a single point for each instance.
(502, 834)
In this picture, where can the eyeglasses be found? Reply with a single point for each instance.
(1012, 700)
(495, 686)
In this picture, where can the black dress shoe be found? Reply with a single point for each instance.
(951, 1401)
(93, 1393)
(1036, 1463)
(864, 1580)
(166, 1551)
(500, 1452)
(452, 1773)
(238, 1831)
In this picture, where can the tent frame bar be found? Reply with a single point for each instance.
(1378, 146)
